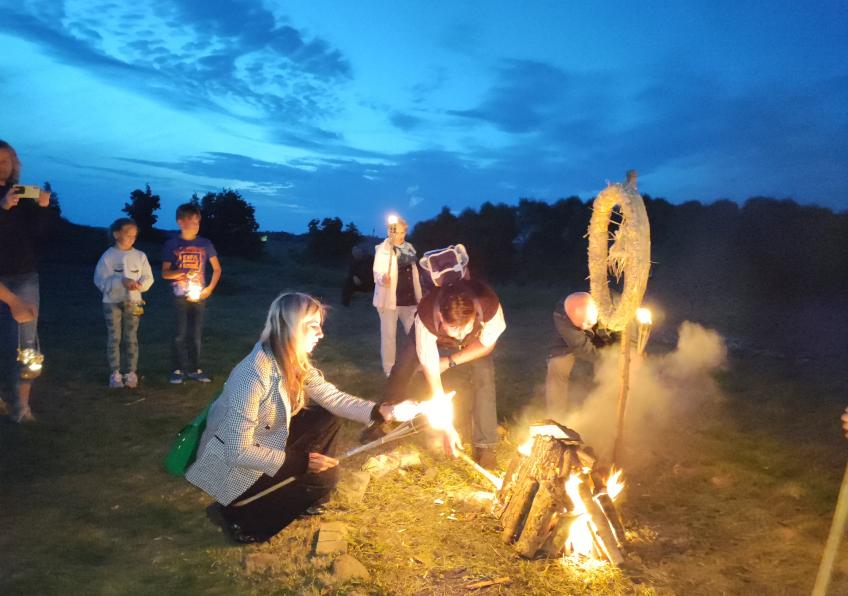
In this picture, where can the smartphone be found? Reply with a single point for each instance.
(27, 191)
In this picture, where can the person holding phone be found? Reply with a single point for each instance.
(24, 227)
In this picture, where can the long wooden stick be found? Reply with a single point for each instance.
(837, 531)
(496, 482)
(406, 429)
(624, 366)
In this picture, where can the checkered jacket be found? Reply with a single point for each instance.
(248, 425)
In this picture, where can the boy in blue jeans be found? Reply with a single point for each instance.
(184, 260)
(122, 274)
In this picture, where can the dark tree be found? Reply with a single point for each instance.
(142, 209)
(229, 221)
(329, 241)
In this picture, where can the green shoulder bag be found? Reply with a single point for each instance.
(184, 450)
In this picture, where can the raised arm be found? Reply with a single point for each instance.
(339, 403)
(428, 356)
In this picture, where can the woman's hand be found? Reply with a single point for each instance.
(318, 462)
(44, 198)
(10, 200)
(23, 312)
(387, 412)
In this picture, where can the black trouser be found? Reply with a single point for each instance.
(313, 429)
(406, 365)
(189, 334)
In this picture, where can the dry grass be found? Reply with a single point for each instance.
(737, 502)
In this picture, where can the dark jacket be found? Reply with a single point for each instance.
(584, 344)
(23, 232)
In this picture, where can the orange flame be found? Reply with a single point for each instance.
(615, 484)
(439, 411)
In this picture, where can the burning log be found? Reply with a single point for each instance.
(549, 503)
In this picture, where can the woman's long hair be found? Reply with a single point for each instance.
(284, 336)
(15, 176)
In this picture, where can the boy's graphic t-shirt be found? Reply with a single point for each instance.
(190, 257)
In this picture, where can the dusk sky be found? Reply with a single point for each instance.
(316, 109)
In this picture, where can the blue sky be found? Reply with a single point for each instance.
(314, 109)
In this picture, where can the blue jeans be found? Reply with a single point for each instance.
(12, 333)
(121, 336)
(189, 328)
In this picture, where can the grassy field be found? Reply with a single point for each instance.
(736, 500)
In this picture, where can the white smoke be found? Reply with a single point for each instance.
(664, 389)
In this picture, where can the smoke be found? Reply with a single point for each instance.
(665, 389)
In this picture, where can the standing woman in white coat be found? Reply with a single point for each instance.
(397, 287)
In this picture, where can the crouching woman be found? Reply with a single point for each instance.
(276, 418)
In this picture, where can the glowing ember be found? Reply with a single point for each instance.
(614, 484)
(439, 411)
(644, 316)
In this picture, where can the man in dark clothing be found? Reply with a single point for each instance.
(571, 360)
(360, 276)
(462, 320)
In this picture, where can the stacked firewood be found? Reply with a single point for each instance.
(538, 516)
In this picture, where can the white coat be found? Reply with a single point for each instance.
(386, 267)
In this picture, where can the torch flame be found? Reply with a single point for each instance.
(614, 484)
(644, 316)
(406, 411)
(392, 220)
(439, 411)
(591, 313)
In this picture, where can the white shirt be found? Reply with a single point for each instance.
(114, 266)
(428, 349)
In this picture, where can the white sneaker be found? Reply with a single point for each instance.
(131, 380)
(116, 381)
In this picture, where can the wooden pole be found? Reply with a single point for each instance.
(837, 530)
(624, 367)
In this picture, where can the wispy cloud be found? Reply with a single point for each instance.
(232, 58)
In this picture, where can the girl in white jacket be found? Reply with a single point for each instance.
(397, 288)
(122, 274)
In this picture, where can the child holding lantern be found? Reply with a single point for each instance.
(122, 274)
(184, 260)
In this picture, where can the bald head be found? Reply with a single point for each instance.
(581, 310)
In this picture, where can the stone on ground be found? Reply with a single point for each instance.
(347, 568)
(332, 538)
(352, 487)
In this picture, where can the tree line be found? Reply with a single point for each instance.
(763, 251)
(227, 219)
